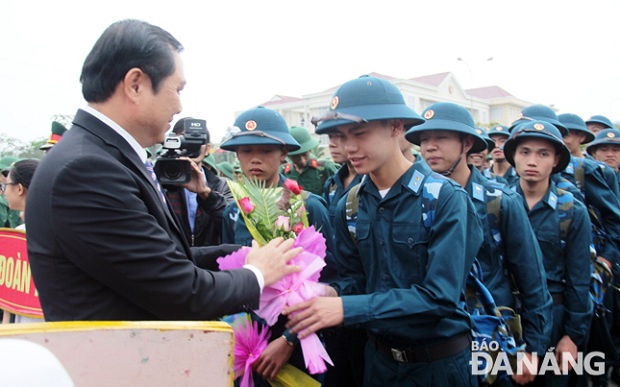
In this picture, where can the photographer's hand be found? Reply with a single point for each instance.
(197, 183)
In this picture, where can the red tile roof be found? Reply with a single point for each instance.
(278, 99)
(433, 79)
(489, 92)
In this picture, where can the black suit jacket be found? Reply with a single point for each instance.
(103, 246)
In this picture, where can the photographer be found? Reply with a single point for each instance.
(199, 205)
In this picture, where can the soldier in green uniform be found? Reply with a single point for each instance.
(58, 130)
(8, 218)
(304, 166)
(404, 252)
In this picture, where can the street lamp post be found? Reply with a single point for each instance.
(471, 79)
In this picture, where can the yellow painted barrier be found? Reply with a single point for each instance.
(140, 353)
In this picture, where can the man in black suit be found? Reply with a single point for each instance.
(102, 241)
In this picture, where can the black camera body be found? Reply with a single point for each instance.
(169, 169)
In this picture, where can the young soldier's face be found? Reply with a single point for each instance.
(477, 159)
(301, 160)
(441, 149)
(595, 127)
(535, 159)
(336, 147)
(497, 152)
(573, 141)
(261, 162)
(370, 145)
(609, 154)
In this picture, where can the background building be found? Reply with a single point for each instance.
(488, 105)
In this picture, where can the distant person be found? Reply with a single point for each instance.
(479, 159)
(597, 123)
(16, 186)
(15, 189)
(58, 130)
(102, 241)
(305, 168)
(226, 170)
(200, 208)
(8, 218)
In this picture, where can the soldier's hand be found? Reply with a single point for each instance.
(273, 358)
(272, 259)
(526, 376)
(565, 347)
(310, 316)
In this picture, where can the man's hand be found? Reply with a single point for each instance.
(272, 259)
(273, 358)
(565, 347)
(197, 184)
(310, 316)
(526, 376)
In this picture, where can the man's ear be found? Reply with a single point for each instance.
(397, 127)
(468, 143)
(208, 148)
(134, 83)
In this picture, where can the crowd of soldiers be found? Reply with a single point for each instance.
(403, 231)
(400, 277)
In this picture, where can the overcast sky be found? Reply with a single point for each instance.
(239, 54)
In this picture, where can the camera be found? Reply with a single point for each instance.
(169, 169)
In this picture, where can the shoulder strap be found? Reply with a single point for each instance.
(580, 177)
(565, 209)
(352, 204)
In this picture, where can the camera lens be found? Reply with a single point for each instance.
(173, 171)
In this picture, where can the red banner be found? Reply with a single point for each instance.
(17, 292)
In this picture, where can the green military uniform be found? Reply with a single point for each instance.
(313, 176)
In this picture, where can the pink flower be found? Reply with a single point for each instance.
(234, 260)
(301, 211)
(250, 342)
(293, 186)
(283, 223)
(246, 205)
(298, 228)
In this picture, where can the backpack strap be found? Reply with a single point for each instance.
(430, 186)
(352, 205)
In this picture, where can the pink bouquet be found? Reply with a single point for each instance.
(271, 213)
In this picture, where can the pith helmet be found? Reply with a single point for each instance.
(574, 122)
(501, 130)
(260, 126)
(540, 113)
(604, 137)
(304, 138)
(538, 130)
(447, 116)
(366, 99)
(485, 136)
(598, 119)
